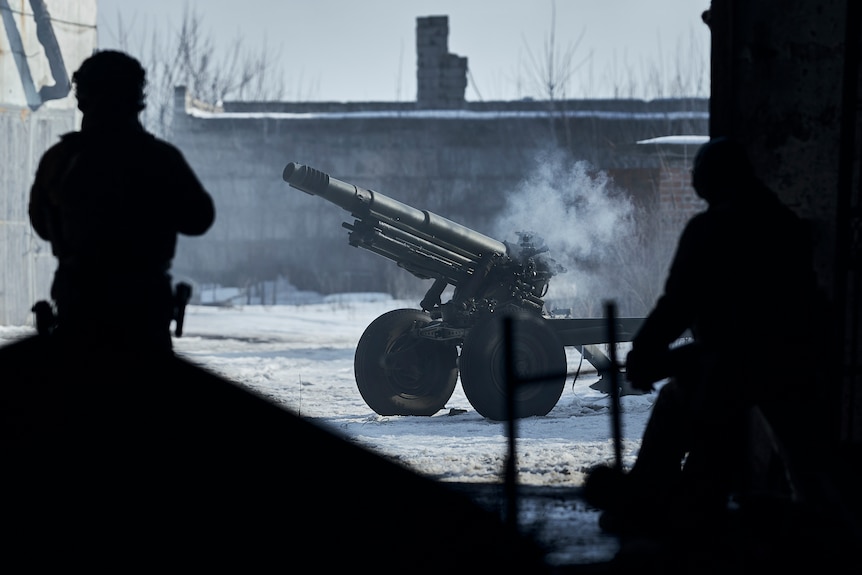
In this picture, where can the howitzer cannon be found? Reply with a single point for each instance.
(407, 361)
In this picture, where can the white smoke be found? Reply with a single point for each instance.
(584, 221)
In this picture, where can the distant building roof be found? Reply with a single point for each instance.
(688, 140)
(458, 115)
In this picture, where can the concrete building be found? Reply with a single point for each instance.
(461, 160)
(41, 44)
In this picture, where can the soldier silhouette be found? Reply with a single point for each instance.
(111, 199)
(118, 451)
(742, 281)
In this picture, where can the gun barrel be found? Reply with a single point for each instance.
(363, 203)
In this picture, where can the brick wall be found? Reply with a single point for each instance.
(441, 77)
(677, 201)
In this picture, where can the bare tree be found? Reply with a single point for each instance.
(684, 74)
(188, 56)
(553, 69)
(551, 72)
(632, 269)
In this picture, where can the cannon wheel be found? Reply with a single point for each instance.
(537, 350)
(400, 374)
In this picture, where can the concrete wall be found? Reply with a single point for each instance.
(786, 80)
(41, 43)
(461, 164)
(460, 160)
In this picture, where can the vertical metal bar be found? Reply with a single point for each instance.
(613, 373)
(510, 480)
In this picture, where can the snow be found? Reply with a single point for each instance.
(449, 115)
(690, 140)
(300, 355)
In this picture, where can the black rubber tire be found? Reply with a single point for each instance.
(537, 350)
(399, 374)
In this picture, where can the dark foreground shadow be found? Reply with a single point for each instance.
(116, 465)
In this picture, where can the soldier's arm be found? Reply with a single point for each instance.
(43, 193)
(193, 205)
(674, 311)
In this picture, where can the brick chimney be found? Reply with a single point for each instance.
(441, 77)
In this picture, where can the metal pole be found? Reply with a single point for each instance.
(616, 416)
(510, 480)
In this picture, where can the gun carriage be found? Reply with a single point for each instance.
(408, 361)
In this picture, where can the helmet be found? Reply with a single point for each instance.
(110, 81)
(721, 168)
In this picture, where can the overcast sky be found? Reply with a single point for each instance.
(343, 50)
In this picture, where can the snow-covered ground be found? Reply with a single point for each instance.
(299, 352)
(301, 356)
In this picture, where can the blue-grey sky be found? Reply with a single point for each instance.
(351, 50)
